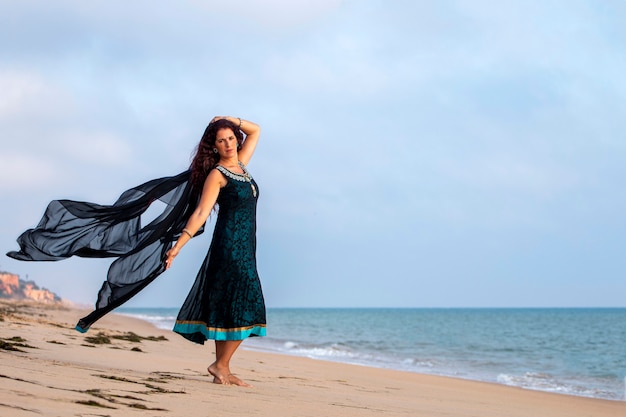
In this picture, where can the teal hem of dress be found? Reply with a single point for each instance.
(219, 334)
(80, 329)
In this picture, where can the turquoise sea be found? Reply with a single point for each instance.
(576, 351)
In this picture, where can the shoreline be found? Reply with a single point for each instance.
(518, 360)
(57, 371)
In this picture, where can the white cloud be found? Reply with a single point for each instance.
(22, 171)
(272, 15)
(506, 173)
(29, 96)
(98, 148)
(337, 69)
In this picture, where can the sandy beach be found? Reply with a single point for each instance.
(124, 366)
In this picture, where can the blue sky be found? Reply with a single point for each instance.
(413, 153)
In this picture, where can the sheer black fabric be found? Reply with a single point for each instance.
(72, 228)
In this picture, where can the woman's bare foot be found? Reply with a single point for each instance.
(219, 376)
(234, 380)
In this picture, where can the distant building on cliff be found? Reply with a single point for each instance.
(14, 288)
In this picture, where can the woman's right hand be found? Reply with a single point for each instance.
(170, 255)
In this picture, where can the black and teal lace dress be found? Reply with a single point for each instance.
(226, 300)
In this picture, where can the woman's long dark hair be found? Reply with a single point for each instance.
(204, 159)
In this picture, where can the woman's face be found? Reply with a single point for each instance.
(226, 143)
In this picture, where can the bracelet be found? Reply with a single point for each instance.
(239, 122)
(188, 233)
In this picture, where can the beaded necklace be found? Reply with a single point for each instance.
(240, 177)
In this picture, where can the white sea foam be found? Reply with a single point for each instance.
(165, 322)
(333, 350)
(588, 387)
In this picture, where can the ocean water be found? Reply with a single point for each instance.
(579, 351)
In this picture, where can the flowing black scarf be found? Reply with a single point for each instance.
(72, 228)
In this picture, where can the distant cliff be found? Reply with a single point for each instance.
(14, 288)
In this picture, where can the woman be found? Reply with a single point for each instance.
(226, 302)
